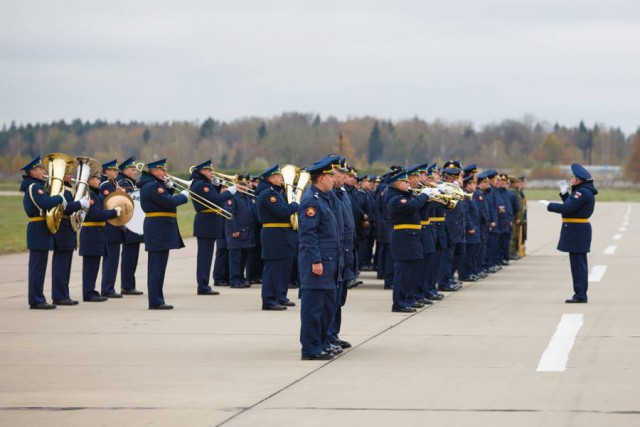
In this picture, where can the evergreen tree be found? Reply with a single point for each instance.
(262, 131)
(146, 135)
(376, 146)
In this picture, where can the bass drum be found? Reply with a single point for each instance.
(136, 224)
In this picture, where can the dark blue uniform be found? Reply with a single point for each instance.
(93, 243)
(65, 241)
(473, 239)
(483, 211)
(429, 247)
(454, 255)
(161, 232)
(130, 245)
(318, 243)
(241, 224)
(208, 227)
(406, 243)
(366, 236)
(383, 236)
(36, 202)
(575, 234)
(278, 242)
(115, 238)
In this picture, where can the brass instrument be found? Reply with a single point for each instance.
(295, 181)
(86, 168)
(439, 197)
(229, 180)
(57, 165)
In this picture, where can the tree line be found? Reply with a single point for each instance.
(251, 144)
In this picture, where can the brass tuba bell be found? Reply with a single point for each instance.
(58, 165)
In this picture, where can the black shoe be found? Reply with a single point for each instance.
(321, 356)
(240, 286)
(131, 292)
(95, 298)
(342, 344)
(471, 278)
(447, 289)
(505, 262)
(404, 310)
(425, 301)
(42, 306)
(65, 302)
(113, 295)
(288, 304)
(388, 287)
(436, 297)
(514, 257)
(576, 301)
(276, 307)
(416, 305)
(294, 285)
(255, 282)
(209, 292)
(161, 307)
(221, 284)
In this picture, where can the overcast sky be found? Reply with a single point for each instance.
(477, 60)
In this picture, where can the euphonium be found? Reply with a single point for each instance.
(290, 174)
(57, 164)
(86, 168)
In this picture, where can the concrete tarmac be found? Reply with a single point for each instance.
(469, 360)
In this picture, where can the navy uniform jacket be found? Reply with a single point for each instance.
(365, 202)
(442, 238)
(129, 186)
(161, 233)
(66, 238)
(93, 239)
(454, 221)
(483, 210)
(114, 234)
(428, 234)
(272, 208)
(36, 202)
(356, 211)
(404, 209)
(348, 235)
(242, 222)
(576, 236)
(208, 224)
(503, 224)
(492, 207)
(472, 219)
(318, 240)
(383, 225)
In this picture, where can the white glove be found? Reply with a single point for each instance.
(428, 191)
(442, 187)
(185, 193)
(294, 199)
(84, 203)
(232, 189)
(118, 210)
(216, 181)
(168, 183)
(544, 202)
(564, 187)
(64, 203)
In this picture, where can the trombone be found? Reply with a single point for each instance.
(229, 180)
(182, 184)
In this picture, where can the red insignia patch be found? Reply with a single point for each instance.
(206, 189)
(229, 202)
(40, 192)
(403, 201)
(160, 190)
(577, 195)
(272, 199)
(91, 202)
(311, 212)
(105, 192)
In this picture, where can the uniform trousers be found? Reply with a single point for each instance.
(37, 267)
(316, 311)
(237, 264)
(204, 261)
(156, 269)
(255, 266)
(428, 285)
(446, 265)
(492, 248)
(110, 268)
(404, 276)
(505, 245)
(580, 274)
(128, 265)
(385, 265)
(60, 274)
(90, 267)
(336, 321)
(469, 264)
(275, 281)
(221, 264)
(365, 252)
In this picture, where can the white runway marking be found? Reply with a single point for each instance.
(610, 250)
(617, 236)
(597, 273)
(555, 357)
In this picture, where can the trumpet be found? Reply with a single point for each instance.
(229, 180)
(446, 199)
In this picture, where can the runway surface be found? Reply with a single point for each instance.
(505, 351)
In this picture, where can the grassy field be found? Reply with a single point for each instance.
(13, 221)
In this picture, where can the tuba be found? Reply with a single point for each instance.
(295, 181)
(86, 168)
(58, 165)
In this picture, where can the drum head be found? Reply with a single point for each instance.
(136, 225)
(122, 200)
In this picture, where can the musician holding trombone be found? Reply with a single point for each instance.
(208, 224)
(161, 232)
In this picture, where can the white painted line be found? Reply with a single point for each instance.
(622, 230)
(617, 236)
(597, 272)
(610, 250)
(556, 356)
